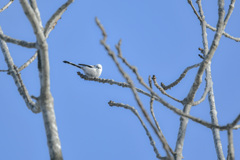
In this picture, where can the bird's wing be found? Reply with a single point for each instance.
(72, 64)
(90, 66)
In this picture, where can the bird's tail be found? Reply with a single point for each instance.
(72, 64)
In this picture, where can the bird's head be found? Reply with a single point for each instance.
(98, 66)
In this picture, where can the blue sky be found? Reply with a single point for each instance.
(159, 37)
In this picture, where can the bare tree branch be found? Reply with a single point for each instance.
(151, 106)
(18, 42)
(196, 84)
(6, 6)
(230, 155)
(48, 27)
(230, 10)
(111, 103)
(180, 78)
(28, 62)
(236, 127)
(4, 70)
(209, 88)
(34, 6)
(45, 100)
(13, 71)
(153, 115)
(231, 6)
(203, 51)
(111, 82)
(118, 47)
(162, 90)
(130, 82)
(224, 33)
(194, 10)
(206, 90)
(55, 17)
(214, 119)
(213, 110)
(175, 110)
(198, 80)
(234, 123)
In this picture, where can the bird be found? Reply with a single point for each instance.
(91, 71)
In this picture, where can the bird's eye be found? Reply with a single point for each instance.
(98, 67)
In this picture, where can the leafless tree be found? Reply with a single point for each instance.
(44, 102)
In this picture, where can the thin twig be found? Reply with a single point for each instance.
(236, 127)
(194, 10)
(118, 47)
(206, 90)
(28, 62)
(18, 42)
(111, 82)
(180, 78)
(34, 6)
(163, 91)
(204, 52)
(4, 70)
(153, 114)
(151, 106)
(111, 103)
(224, 33)
(55, 17)
(6, 6)
(230, 10)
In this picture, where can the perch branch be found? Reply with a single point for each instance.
(111, 82)
(175, 110)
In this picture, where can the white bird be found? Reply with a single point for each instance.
(91, 71)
